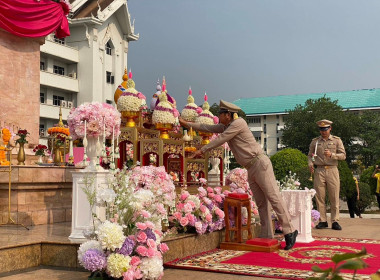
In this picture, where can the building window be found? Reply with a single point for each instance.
(265, 117)
(257, 120)
(109, 101)
(110, 79)
(42, 97)
(57, 100)
(284, 117)
(108, 49)
(42, 65)
(58, 70)
(265, 144)
(258, 139)
(265, 128)
(42, 129)
(59, 41)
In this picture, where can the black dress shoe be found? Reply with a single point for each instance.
(322, 225)
(290, 239)
(336, 226)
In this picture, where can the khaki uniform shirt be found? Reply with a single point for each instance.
(334, 144)
(238, 136)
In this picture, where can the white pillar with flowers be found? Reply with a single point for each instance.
(94, 123)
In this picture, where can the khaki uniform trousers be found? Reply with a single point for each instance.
(327, 178)
(265, 191)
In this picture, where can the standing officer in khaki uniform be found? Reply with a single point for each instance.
(324, 153)
(249, 154)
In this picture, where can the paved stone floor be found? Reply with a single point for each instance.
(368, 227)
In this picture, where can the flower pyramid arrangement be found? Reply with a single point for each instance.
(206, 117)
(164, 112)
(128, 244)
(130, 99)
(191, 111)
(101, 118)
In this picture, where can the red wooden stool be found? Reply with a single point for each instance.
(236, 201)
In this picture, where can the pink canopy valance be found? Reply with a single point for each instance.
(32, 18)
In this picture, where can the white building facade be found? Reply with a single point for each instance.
(89, 64)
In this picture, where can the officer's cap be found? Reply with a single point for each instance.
(324, 124)
(227, 107)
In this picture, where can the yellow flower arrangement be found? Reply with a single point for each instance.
(57, 129)
(6, 137)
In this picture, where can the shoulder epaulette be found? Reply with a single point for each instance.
(315, 138)
(336, 137)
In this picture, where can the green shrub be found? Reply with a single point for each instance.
(347, 183)
(288, 160)
(303, 175)
(366, 197)
(366, 178)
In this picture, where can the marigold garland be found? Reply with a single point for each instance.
(6, 137)
(57, 129)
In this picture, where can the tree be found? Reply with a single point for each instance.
(300, 125)
(368, 147)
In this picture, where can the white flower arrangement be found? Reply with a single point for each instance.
(205, 120)
(189, 115)
(110, 235)
(289, 182)
(129, 103)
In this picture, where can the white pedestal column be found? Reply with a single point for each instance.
(81, 211)
(299, 204)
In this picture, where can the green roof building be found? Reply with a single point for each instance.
(266, 115)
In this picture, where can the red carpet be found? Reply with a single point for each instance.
(293, 264)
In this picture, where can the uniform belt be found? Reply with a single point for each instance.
(326, 166)
(252, 161)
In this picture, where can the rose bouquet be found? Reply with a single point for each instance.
(22, 134)
(197, 213)
(100, 117)
(40, 150)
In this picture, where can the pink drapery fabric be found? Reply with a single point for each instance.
(32, 18)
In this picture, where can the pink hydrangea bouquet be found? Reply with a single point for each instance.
(99, 117)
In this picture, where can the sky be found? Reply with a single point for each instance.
(254, 48)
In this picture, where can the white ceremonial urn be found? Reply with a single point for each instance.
(299, 204)
(81, 211)
(92, 153)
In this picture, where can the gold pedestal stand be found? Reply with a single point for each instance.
(9, 170)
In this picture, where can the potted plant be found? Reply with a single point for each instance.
(41, 151)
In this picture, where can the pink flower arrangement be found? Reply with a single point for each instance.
(96, 115)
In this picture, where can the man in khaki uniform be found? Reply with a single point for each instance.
(249, 154)
(324, 153)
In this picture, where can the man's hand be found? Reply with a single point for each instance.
(197, 153)
(327, 153)
(183, 122)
